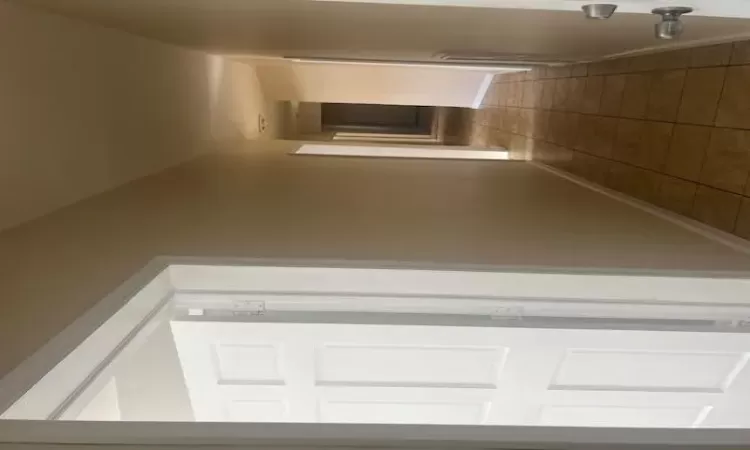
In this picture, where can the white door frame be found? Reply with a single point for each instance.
(481, 291)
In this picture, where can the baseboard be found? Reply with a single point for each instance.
(722, 237)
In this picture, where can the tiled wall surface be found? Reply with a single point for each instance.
(459, 126)
(669, 128)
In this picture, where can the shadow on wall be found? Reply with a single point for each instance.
(121, 107)
(670, 128)
(459, 127)
(98, 126)
(239, 110)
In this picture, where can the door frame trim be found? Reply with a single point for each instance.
(166, 276)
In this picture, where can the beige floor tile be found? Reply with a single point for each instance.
(677, 195)
(579, 70)
(727, 163)
(712, 55)
(592, 94)
(700, 97)
(603, 134)
(611, 102)
(635, 96)
(585, 135)
(687, 151)
(734, 106)
(673, 59)
(529, 94)
(548, 94)
(741, 53)
(570, 129)
(541, 123)
(642, 63)
(655, 148)
(628, 140)
(639, 183)
(555, 130)
(716, 208)
(576, 89)
(742, 227)
(562, 89)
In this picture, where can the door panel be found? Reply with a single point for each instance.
(394, 365)
(640, 417)
(344, 373)
(655, 371)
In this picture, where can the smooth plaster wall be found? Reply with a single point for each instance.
(237, 102)
(263, 202)
(369, 83)
(86, 108)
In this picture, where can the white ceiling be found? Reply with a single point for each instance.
(386, 31)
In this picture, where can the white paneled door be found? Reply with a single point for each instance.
(347, 373)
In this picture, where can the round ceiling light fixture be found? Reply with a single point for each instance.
(670, 26)
(599, 11)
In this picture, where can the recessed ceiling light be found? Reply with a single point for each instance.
(599, 10)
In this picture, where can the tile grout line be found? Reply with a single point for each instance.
(565, 112)
(672, 135)
(660, 172)
(708, 231)
(663, 174)
(628, 118)
(708, 147)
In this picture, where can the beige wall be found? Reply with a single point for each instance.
(672, 128)
(86, 108)
(263, 202)
(309, 118)
(238, 102)
(387, 85)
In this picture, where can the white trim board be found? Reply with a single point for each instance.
(501, 283)
(93, 340)
(727, 239)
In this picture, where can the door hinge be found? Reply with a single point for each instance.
(512, 313)
(741, 323)
(248, 308)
